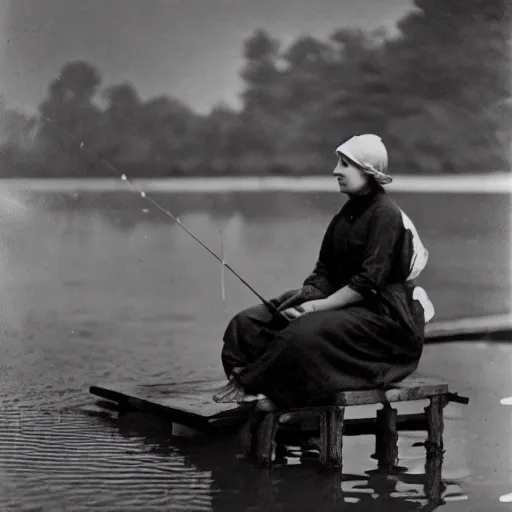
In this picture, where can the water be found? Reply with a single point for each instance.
(99, 287)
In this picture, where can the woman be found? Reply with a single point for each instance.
(358, 320)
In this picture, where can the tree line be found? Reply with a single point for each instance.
(437, 92)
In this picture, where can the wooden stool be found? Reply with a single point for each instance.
(264, 424)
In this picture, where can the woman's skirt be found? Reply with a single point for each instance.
(362, 346)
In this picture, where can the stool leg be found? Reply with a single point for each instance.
(264, 438)
(434, 486)
(250, 435)
(435, 423)
(331, 437)
(386, 437)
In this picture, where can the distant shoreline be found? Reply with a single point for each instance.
(482, 183)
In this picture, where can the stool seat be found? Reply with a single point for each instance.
(409, 389)
(265, 421)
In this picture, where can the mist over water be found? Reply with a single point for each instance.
(99, 287)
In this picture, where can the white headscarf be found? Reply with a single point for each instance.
(369, 153)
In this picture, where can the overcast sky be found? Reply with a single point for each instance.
(189, 49)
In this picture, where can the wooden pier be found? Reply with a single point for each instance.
(191, 405)
(265, 421)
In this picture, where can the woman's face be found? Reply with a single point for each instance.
(351, 179)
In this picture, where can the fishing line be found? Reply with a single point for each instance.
(222, 275)
(166, 212)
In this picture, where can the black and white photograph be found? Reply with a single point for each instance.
(255, 255)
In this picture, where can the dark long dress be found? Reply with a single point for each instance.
(368, 344)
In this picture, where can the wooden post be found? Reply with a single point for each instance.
(434, 486)
(264, 438)
(330, 492)
(386, 437)
(250, 435)
(331, 436)
(259, 489)
(247, 435)
(434, 414)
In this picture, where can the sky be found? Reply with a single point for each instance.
(187, 49)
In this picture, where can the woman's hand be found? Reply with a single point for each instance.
(291, 313)
(307, 293)
(298, 311)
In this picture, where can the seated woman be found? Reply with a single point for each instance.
(358, 321)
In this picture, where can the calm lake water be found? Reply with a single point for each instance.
(102, 287)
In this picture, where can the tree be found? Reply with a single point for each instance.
(438, 93)
(69, 100)
(261, 74)
(16, 128)
(169, 126)
(17, 148)
(68, 113)
(455, 56)
(457, 51)
(118, 138)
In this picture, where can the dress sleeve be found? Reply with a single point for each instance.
(385, 230)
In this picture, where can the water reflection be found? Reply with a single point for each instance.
(237, 485)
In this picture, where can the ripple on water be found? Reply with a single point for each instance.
(87, 457)
(80, 461)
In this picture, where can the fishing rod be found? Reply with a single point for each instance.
(272, 309)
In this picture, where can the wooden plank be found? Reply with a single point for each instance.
(146, 398)
(469, 328)
(412, 388)
(190, 404)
